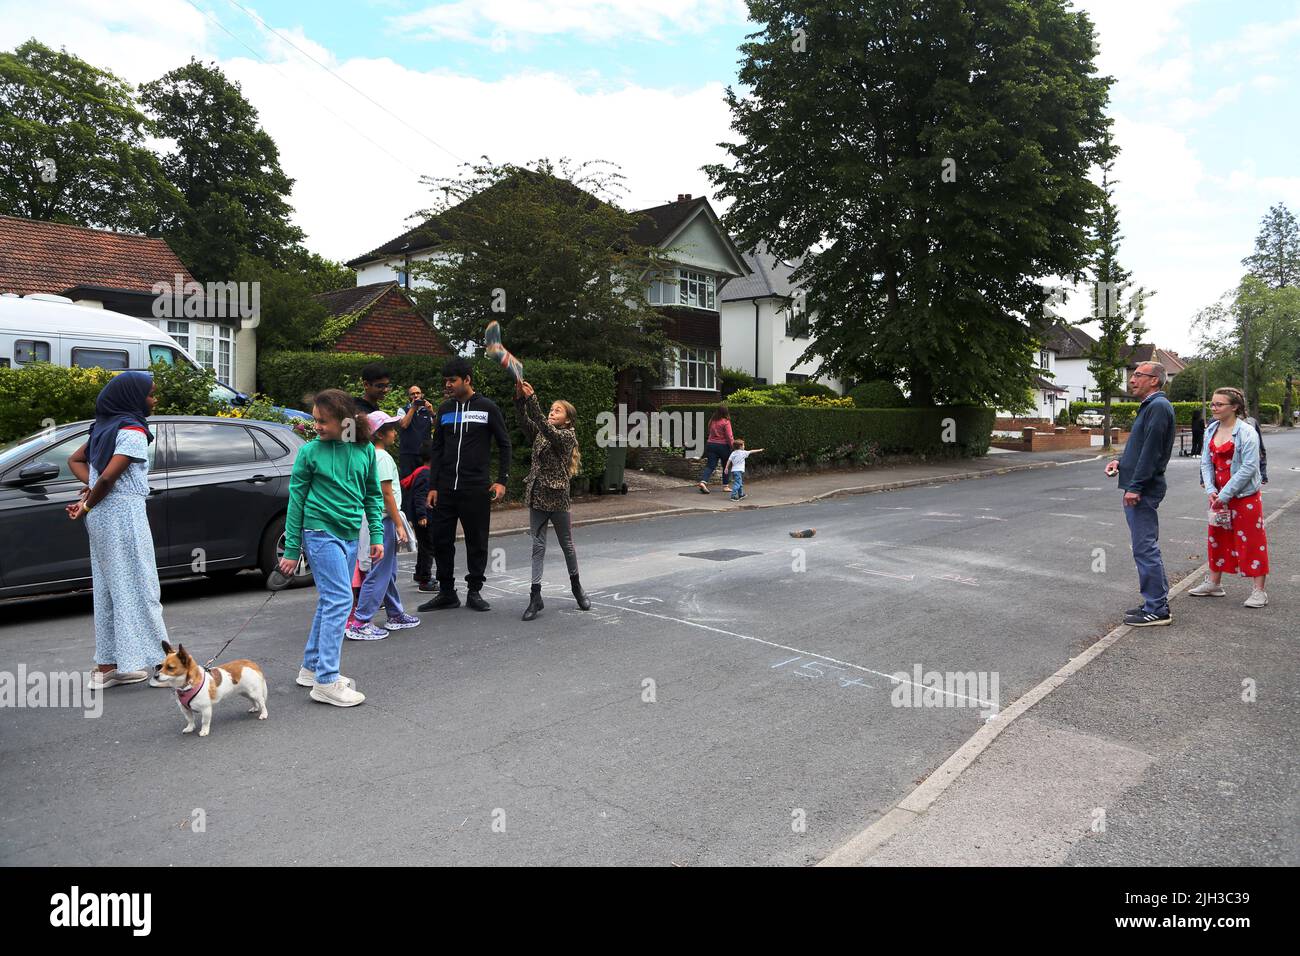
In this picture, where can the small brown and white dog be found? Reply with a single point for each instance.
(197, 690)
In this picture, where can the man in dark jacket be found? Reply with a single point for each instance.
(1141, 471)
(416, 427)
(463, 431)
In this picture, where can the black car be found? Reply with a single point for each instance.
(219, 488)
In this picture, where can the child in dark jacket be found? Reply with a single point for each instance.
(415, 502)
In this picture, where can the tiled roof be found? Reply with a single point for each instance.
(660, 222)
(52, 257)
(430, 232)
(1040, 382)
(656, 224)
(1146, 352)
(1067, 341)
(353, 299)
(770, 277)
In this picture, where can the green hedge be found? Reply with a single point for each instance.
(803, 434)
(291, 378)
(34, 394)
(1123, 413)
(878, 394)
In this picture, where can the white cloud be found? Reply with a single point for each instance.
(503, 23)
(138, 39)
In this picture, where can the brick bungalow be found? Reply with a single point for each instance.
(380, 318)
(118, 271)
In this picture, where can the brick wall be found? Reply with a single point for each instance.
(391, 326)
(1034, 440)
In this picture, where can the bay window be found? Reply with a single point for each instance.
(211, 344)
(693, 368)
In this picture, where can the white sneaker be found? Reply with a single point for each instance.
(102, 679)
(307, 679)
(1207, 588)
(338, 693)
(1257, 599)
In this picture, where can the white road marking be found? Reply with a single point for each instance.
(1056, 514)
(989, 518)
(784, 647)
(883, 574)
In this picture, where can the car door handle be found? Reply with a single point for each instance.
(155, 491)
(259, 479)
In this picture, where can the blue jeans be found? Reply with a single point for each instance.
(332, 561)
(715, 453)
(1144, 531)
(737, 484)
(380, 585)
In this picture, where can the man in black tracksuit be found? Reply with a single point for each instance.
(463, 431)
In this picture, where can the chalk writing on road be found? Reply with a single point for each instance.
(814, 669)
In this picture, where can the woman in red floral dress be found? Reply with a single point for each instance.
(1230, 469)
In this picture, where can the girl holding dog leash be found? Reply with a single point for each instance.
(334, 488)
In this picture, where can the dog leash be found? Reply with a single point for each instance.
(209, 664)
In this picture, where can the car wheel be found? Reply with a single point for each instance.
(271, 552)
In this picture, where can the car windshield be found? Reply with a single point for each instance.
(224, 394)
(20, 448)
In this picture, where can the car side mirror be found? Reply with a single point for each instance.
(36, 472)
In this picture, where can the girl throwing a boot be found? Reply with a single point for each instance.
(555, 461)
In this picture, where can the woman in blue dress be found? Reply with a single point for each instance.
(114, 464)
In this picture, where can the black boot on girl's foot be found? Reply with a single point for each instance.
(535, 604)
(584, 602)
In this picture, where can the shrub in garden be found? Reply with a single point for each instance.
(878, 394)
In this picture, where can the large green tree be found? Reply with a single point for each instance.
(1255, 329)
(544, 251)
(935, 154)
(227, 169)
(290, 317)
(1116, 307)
(1276, 259)
(72, 145)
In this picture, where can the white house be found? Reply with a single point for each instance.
(764, 330)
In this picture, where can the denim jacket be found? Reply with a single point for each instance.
(1245, 477)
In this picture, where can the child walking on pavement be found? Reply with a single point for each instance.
(555, 461)
(380, 585)
(736, 465)
(334, 488)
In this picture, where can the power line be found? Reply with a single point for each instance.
(350, 86)
(264, 62)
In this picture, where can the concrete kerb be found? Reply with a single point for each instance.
(856, 850)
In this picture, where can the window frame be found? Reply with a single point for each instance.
(49, 351)
(682, 360)
(126, 357)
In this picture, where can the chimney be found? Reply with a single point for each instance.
(683, 197)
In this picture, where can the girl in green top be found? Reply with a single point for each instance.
(333, 489)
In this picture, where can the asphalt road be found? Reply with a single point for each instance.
(726, 701)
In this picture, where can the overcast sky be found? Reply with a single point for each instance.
(1204, 105)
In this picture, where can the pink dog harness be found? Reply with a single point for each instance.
(185, 695)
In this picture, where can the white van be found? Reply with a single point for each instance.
(51, 328)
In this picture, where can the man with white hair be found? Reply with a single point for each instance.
(1141, 471)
